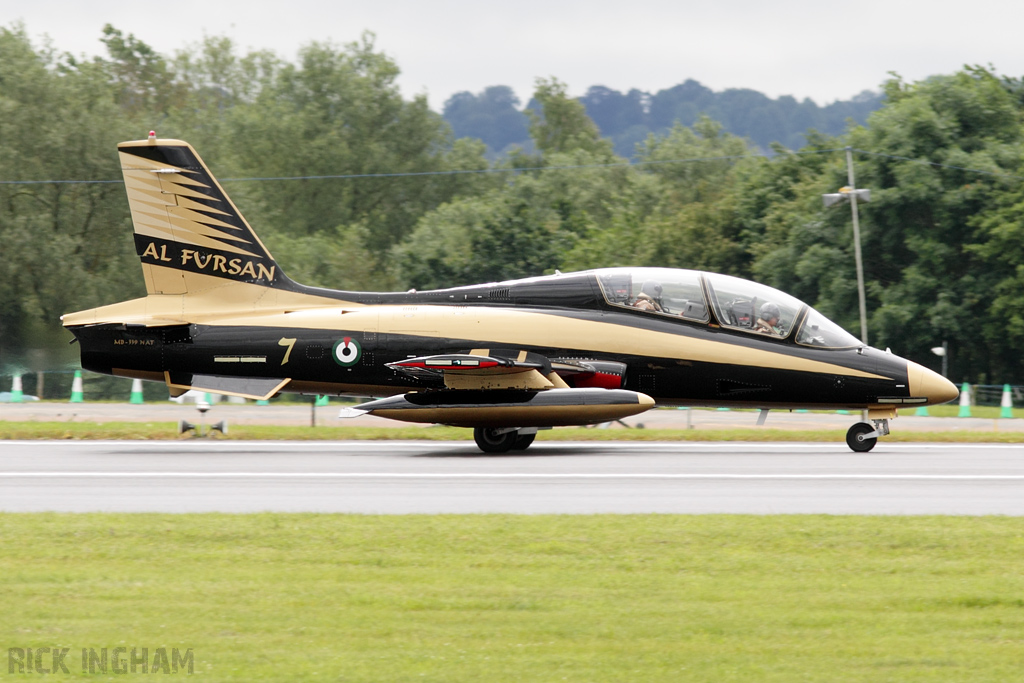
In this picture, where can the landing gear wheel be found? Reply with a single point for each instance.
(855, 438)
(523, 441)
(491, 440)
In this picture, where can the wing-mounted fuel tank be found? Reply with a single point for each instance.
(508, 408)
(510, 388)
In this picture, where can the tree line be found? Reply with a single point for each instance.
(493, 115)
(942, 238)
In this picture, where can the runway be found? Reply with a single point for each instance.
(398, 477)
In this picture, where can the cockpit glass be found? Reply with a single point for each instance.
(665, 291)
(818, 330)
(751, 306)
(738, 304)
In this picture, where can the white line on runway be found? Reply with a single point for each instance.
(429, 444)
(504, 475)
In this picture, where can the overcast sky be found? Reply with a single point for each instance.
(822, 50)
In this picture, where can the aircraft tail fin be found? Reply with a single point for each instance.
(189, 235)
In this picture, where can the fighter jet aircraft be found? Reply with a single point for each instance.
(504, 358)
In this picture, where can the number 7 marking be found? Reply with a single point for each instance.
(290, 343)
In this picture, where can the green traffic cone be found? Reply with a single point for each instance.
(965, 401)
(77, 395)
(322, 401)
(136, 397)
(17, 395)
(922, 411)
(1006, 405)
(263, 402)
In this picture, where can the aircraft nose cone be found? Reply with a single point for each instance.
(924, 382)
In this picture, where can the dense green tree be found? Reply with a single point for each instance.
(921, 233)
(214, 82)
(789, 240)
(64, 246)
(999, 254)
(628, 118)
(614, 112)
(750, 114)
(623, 118)
(492, 116)
(562, 124)
(675, 210)
(68, 246)
(943, 237)
(339, 112)
(145, 83)
(527, 225)
(498, 236)
(922, 226)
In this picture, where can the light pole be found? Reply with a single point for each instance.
(943, 352)
(851, 194)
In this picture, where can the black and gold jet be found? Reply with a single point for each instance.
(505, 358)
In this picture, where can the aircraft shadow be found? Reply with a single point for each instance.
(533, 452)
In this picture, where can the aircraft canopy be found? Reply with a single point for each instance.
(737, 303)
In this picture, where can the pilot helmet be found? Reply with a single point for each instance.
(770, 310)
(651, 289)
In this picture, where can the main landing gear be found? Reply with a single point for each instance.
(862, 437)
(503, 439)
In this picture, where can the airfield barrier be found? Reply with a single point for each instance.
(992, 394)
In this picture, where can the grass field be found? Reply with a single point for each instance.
(525, 598)
(953, 410)
(169, 430)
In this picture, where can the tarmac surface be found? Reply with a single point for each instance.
(397, 477)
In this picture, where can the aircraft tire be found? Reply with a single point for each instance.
(491, 442)
(855, 439)
(523, 442)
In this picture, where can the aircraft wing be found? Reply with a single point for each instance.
(505, 369)
(502, 388)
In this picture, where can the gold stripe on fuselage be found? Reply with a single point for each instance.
(520, 328)
(219, 301)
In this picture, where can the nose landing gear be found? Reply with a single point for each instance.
(862, 437)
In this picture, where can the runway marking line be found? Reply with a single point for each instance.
(507, 475)
(335, 446)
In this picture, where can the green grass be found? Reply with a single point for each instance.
(953, 410)
(526, 598)
(169, 430)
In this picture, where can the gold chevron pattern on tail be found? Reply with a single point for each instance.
(189, 235)
(172, 203)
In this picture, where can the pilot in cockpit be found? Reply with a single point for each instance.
(649, 298)
(768, 320)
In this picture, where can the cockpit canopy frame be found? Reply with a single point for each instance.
(735, 304)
